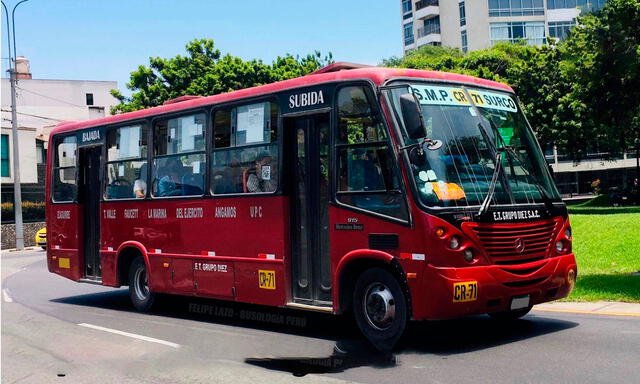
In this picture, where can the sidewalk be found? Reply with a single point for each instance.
(610, 308)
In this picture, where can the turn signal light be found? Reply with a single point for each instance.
(571, 277)
(439, 232)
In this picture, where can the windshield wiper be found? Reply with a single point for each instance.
(514, 155)
(543, 193)
(492, 187)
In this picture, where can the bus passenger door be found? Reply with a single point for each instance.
(308, 171)
(89, 196)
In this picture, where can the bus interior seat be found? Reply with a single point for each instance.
(193, 184)
(245, 178)
(119, 189)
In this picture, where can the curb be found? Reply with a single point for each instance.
(604, 308)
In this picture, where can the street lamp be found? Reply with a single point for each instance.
(17, 190)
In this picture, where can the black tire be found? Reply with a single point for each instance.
(44, 247)
(510, 315)
(141, 296)
(380, 308)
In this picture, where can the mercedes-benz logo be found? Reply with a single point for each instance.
(519, 245)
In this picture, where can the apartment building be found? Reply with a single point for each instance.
(477, 24)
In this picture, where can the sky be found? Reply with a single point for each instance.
(107, 39)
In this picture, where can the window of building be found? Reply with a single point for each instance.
(65, 188)
(408, 33)
(463, 14)
(499, 8)
(179, 156)
(431, 25)
(89, 97)
(585, 5)
(366, 176)
(245, 149)
(406, 6)
(463, 36)
(41, 152)
(127, 167)
(560, 29)
(6, 167)
(531, 32)
(427, 3)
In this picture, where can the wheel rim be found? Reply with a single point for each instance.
(141, 284)
(379, 306)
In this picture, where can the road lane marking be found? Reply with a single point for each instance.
(577, 311)
(132, 335)
(6, 296)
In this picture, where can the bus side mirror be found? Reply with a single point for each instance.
(412, 116)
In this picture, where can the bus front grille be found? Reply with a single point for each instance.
(514, 243)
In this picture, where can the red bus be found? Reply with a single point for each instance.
(391, 194)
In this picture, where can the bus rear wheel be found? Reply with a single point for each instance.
(380, 308)
(141, 296)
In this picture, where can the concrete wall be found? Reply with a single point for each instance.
(27, 153)
(9, 234)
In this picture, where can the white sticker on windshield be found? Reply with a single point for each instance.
(431, 175)
(266, 172)
(423, 176)
(434, 95)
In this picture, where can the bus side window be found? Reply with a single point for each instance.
(65, 171)
(366, 174)
(179, 156)
(127, 162)
(245, 150)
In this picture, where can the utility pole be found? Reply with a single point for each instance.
(17, 190)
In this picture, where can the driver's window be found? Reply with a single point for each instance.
(127, 162)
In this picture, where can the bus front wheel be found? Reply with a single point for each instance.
(139, 292)
(380, 308)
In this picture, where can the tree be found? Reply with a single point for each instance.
(601, 61)
(205, 71)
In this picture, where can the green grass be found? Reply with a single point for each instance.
(607, 248)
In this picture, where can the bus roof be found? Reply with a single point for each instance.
(333, 72)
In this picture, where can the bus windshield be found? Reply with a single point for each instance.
(459, 173)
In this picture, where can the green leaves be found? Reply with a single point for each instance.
(205, 71)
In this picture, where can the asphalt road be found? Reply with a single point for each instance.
(55, 330)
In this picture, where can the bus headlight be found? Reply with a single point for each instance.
(567, 233)
(560, 246)
(454, 242)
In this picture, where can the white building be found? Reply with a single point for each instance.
(478, 24)
(41, 104)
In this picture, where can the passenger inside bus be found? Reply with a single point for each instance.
(169, 185)
(227, 179)
(140, 184)
(262, 178)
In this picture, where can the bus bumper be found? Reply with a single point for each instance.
(543, 280)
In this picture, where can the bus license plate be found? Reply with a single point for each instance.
(519, 302)
(465, 291)
(266, 279)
